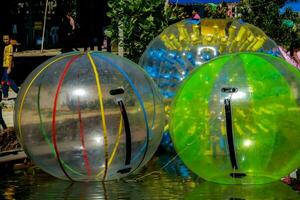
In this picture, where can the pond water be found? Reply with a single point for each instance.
(165, 177)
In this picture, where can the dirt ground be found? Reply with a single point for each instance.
(8, 140)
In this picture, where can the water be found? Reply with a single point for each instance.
(158, 185)
(174, 181)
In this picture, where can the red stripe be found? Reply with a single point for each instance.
(62, 77)
(85, 155)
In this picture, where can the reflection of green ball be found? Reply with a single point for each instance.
(275, 190)
(237, 119)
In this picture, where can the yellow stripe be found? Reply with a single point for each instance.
(262, 127)
(102, 115)
(27, 89)
(238, 129)
(117, 142)
(115, 147)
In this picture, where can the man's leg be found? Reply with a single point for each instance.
(4, 83)
(12, 84)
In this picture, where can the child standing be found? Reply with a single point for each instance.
(6, 81)
(195, 15)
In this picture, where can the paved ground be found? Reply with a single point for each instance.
(29, 53)
(45, 52)
(8, 110)
(12, 152)
(12, 155)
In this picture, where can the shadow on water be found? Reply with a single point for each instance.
(164, 177)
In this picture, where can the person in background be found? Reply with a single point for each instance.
(68, 29)
(195, 15)
(295, 54)
(295, 50)
(54, 35)
(71, 22)
(8, 63)
(230, 11)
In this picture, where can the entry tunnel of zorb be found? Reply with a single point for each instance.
(236, 119)
(89, 116)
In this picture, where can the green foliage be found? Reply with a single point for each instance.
(141, 21)
(216, 11)
(265, 15)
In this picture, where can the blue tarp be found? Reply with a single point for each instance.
(294, 6)
(187, 2)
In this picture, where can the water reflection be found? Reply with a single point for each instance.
(276, 190)
(165, 177)
(157, 184)
(9, 192)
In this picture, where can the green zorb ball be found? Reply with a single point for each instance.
(236, 120)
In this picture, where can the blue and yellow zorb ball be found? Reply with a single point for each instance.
(236, 119)
(186, 45)
(89, 116)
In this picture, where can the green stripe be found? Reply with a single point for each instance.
(45, 134)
